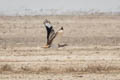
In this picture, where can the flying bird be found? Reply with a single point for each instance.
(51, 34)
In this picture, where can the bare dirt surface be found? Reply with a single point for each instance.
(93, 51)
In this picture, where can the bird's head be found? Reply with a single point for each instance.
(46, 21)
(61, 28)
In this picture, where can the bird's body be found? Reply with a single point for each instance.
(51, 34)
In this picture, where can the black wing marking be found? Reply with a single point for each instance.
(53, 35)
(50, 32)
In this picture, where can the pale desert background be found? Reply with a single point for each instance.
(93, 51)
(91, 32)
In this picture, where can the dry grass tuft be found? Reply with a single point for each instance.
(6, 67)
(26, 69)
(44, 69)
(70, 69)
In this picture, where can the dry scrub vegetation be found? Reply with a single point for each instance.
(90, 68)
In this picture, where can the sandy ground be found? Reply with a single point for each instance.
(93, 50)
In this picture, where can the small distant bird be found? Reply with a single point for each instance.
(51, 34)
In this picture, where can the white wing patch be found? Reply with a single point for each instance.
(61, 31)
(48, 25)
(58, 38)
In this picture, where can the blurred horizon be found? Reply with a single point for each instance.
(44, 7)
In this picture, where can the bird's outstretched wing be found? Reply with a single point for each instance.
(50, 32)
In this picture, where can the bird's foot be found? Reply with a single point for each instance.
(46, 46)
